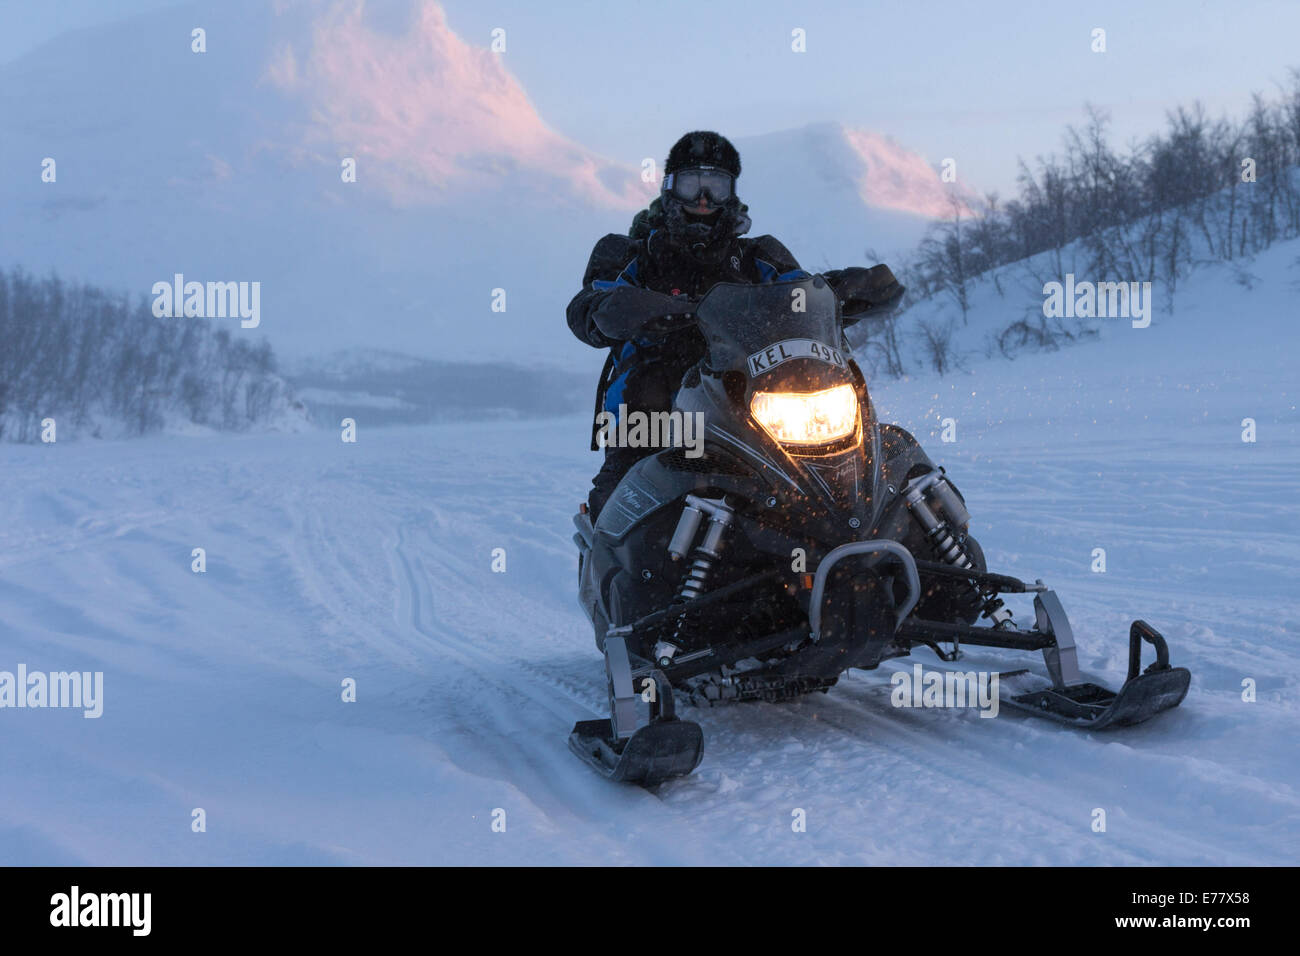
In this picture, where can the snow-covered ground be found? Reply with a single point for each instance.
(373, 561)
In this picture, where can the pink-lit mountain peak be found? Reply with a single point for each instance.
(898, 179)
(820, 171)
(247, 185)
(437, 116)
(431, 111)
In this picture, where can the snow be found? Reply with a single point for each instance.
(312, 396)
(373, 561)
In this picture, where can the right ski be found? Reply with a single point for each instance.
(1092, 707)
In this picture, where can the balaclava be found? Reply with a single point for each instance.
(705, 238)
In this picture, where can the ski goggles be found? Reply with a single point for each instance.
(688, 184)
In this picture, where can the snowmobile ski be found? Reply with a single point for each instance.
(623, 747)
(1093, 707)
(668, 748)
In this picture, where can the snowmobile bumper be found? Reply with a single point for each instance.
(1143, 695)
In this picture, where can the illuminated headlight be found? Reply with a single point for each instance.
(807, 418)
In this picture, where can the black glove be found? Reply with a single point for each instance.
(629, 311)
(865, 291)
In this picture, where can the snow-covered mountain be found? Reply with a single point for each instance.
(392, 388)
(831, 192)
(227, 165)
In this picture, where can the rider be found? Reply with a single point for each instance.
(639, 290)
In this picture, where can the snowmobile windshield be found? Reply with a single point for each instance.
(791, 325)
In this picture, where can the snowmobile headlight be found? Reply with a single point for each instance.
(807, 418)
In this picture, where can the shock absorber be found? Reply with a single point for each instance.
(934, 487)
(703, 558)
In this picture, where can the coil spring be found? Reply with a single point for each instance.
(950, 551)
(703, 557)
(948, 548)
(697, 575)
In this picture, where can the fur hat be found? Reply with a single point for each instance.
(703, 148)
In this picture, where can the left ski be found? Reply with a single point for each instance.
(1093, 707)
(656, 752)
(623, 747)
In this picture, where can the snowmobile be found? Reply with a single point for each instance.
(804, 538)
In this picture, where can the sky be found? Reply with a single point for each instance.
(984, 82)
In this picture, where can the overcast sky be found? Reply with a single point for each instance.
(983, 82)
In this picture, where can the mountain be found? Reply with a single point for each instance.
(831, 192)
(226, 165)
(392, 388)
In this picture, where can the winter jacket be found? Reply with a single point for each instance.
(644, 371)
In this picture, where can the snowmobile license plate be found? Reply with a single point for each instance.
(772, 356)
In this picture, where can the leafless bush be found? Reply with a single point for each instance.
(936, 344)
(1201, 187)
(876, 341)
(83, 356)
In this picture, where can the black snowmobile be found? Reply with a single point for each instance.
(807, 538)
